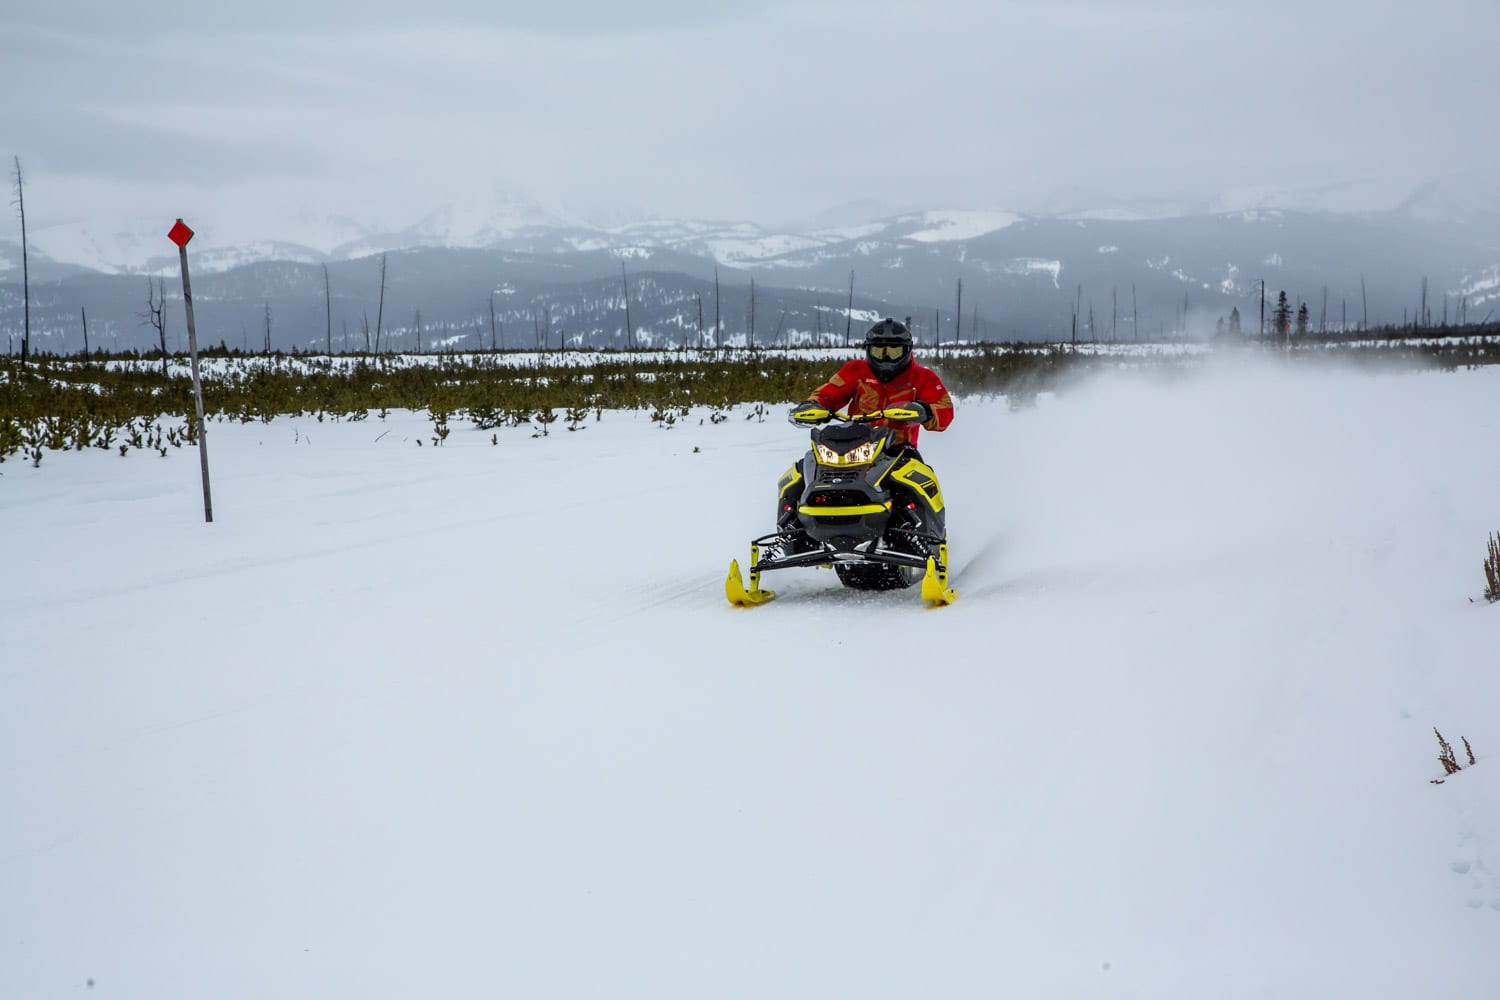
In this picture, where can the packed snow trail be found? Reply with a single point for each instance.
(412, 721)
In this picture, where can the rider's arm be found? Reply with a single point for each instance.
(835, 394)
(930, 390)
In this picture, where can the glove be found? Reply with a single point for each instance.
(924, 412)
(810, 412)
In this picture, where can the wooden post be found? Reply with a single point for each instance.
(180, 235)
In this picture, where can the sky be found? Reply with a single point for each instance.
(285, 120)
(376, 732)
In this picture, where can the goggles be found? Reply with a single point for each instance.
(887, 352)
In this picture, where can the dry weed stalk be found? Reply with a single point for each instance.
(1492, 570)
(1446, 758)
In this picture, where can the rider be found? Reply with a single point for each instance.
(887, 376)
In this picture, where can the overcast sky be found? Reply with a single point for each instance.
(268, 117)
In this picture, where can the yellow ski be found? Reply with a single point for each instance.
(734, 584)
(935, 589)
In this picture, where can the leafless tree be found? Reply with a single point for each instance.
(365, 325)
(157, 317)
(494, 335)
(718, 326)
(268, 328)
(380, 309)
(328, 306)
(958, 319)
(85, 312)
(750, 339)
(849, 315)
(629, 331)
(699, 297)
(25, 268)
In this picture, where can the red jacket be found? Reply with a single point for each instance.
(856, 386)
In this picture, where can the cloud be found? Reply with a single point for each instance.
(760, 109)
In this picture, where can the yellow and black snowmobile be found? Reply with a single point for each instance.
(872, 511)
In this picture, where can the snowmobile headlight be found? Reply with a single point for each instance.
(861, 455)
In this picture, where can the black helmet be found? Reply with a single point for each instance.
(888, 349)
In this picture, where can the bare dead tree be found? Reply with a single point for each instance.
(85, 312)
(1077, 308)
(718, 327)
(494, 331)
(699, 297)
(268, 328)
(849, 315)
(25, 268)
(416, 325)
(365, 326)
(629, 330)
(380, 309)
(958, 318)
(750, 338)
(328, 307)
(155, 315)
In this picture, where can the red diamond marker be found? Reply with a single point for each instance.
(180, 234)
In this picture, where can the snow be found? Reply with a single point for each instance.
(960, 225)
(476, 720)
(1028, 266)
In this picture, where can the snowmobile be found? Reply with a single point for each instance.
(854, 502)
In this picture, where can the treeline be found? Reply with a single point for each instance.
(54, 404)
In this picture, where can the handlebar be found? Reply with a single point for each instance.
(899, 414)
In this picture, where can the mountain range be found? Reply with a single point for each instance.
(508, 273)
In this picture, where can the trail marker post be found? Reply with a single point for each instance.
(180, 235)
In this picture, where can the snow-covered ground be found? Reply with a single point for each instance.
(476, 720)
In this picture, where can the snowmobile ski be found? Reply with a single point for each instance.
(734, 584)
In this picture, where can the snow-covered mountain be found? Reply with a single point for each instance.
(495, 219)
(1125, 271)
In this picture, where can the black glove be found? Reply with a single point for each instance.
(923, 410)
(811, 411)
